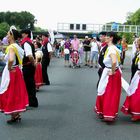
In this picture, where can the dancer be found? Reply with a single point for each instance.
(131, 105)
(13, 93)
(109, 88)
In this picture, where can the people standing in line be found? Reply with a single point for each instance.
(125, 48)
(131, 105)
(87, 48)
(47, 53)
(29, 66)
(103, 48)
(109, 88)
(13, 93)
(67, 46)
(94, 52)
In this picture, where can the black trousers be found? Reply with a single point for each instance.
(100, 71)
(28, 73)
(45, 64)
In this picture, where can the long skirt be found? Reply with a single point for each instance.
(38, 75)
(132, 103)
(15, 98)
(109, 91)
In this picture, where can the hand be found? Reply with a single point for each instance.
(111, 73)
(11, 69)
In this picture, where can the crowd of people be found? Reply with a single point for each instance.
(25, 70)
(87, 50)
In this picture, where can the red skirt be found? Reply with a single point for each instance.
(15, 99)
(132, 104)
(108, 103)
(38, 75)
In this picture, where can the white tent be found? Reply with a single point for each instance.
(59, 36)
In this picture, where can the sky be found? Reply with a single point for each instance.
(50, 12)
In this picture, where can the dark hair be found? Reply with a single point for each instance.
(102, 33)
(26, 31)
(15, 34)
(119, 38)
(45, 34)
(38, 44)
(114, 35)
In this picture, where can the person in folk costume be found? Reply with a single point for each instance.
(13, 93)
(109, 88)
(47, 52)
(103, 48)
(29, 66)
(38, 70)
(132, 103)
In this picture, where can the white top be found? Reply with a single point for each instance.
(94, 47)
(20, 52)
(27, 49)
(49, 47)
(62, 42)
(107, 60)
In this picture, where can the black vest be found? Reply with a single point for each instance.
(45, 51)
(25, 58)
(134, 66)
(101, 57)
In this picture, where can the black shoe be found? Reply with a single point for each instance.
(30, 106)
(47, 83)
(14, 120)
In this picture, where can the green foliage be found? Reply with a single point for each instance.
(128, 36)
(4, 28)
(133, 18)
(21, 19)
(38, 29)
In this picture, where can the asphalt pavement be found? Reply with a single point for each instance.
(65, 110)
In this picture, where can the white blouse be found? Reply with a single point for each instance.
(107, 59)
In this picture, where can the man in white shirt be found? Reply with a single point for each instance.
(29, 67)
(47, 52)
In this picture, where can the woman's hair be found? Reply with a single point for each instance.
(114, 35)
(15, 34)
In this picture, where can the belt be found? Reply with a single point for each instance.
(111, 68)
(14, 66)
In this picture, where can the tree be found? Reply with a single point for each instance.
(133, 18)
(4, 28)
(20, 19)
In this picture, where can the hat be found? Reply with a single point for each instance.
(26, 31)
(86, 36)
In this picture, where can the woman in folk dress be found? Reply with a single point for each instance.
(38, 70)
(109, 88)
(13, 93)
(132, 103)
